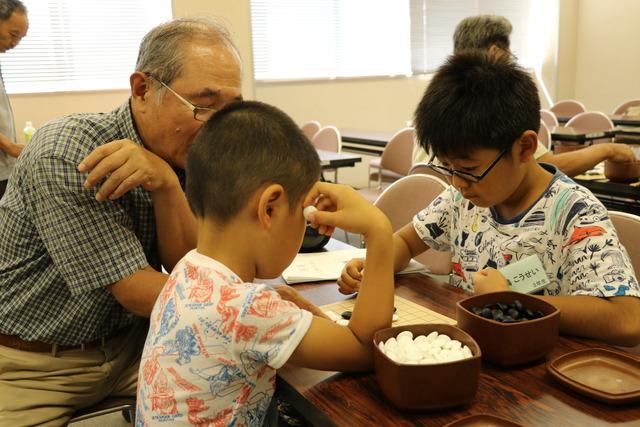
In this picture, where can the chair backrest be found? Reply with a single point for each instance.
(406, 197)
(628, 228)
(328, 138)
(544, 135)
(592, 121)
(396, 156)
(310, 128)
(549, 118)
(622, 108)
(424, 169)
(568, 108)
(107, 406)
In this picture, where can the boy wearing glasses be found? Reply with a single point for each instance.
(478, 118)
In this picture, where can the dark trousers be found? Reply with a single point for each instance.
(3, 187)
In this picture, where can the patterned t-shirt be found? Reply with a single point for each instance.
(213, 346)
(567, 228)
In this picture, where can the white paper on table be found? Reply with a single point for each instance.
(320, 266)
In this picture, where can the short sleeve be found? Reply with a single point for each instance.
(91, 243)
(433, 224)
(595, 263)
(269, 329)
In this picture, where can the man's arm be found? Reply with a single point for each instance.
(129, 165)
(576, 162)
(9, 147)
(138, 293)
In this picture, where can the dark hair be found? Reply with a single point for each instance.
(7, 7)
(476, 100)
(241, 148)
(481, 31)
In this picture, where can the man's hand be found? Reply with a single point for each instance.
(489, 280)
(127, 165)
(289, 294)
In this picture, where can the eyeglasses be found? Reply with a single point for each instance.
(201, 114)
(465, 175)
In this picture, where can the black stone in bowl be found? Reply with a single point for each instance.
(313, 241)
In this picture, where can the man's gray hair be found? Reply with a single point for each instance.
(163, 52)
(7, 7)
(482, 31)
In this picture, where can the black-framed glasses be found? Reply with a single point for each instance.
(201, 114)
(465, 175)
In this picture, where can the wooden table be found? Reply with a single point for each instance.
(369, 142)
(578, 135)
(617, 119)
(333, 160)
(526, 395)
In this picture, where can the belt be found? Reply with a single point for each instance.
(18, 343)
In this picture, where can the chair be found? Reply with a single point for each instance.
(310, 128)
(328, 138)
(592, 121)
(549, 118)
(424, 169)
(395, 160)
(405, 198)
(622, 108)
(544, 135)
(108, 406)
(628, 228)
(568, 108)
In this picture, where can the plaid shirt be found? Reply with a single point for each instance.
(59, 247)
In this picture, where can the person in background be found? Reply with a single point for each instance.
(93, 211)
(492, 33)
(503, 207)
(216, 337)
(13, 27)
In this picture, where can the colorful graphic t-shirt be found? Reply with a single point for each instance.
(213, 348)
(567, 228)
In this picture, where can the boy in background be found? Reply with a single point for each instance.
(216, 338)
(478, 117)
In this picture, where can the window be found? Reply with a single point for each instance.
(75, 45)
(317, 39)
(307, 39)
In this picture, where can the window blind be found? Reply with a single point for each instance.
(318, 39)
(309, 39)
(79, 45)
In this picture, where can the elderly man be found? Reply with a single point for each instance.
(13, 27)
(493, 33)
(80, 267)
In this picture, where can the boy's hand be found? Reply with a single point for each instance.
(351, 276)
(342, 206)
(489, 280)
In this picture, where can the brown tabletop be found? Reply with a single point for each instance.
(577, 135)
(330, 159)
(526, 395)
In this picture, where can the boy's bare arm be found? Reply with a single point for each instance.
(614, 320)
(333, 347)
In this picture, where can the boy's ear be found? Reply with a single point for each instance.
(527, 145)
(270, 203)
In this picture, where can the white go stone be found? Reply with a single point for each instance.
(453, 345)
(395, 318)
(419, 339)
(432, 336)
(404, 337)
(466, 351)
(308, 211)
(381, 346)
(342, 322)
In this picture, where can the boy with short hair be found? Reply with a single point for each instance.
(478, 117)
(216, 338)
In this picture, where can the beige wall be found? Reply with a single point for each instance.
(607, 53)
(597, 62)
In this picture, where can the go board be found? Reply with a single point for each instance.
(409, 313)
